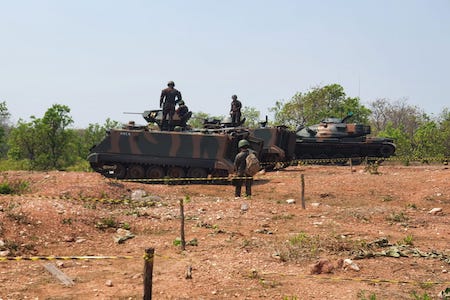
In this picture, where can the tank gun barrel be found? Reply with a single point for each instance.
(348, 116)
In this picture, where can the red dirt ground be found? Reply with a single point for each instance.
(258, 248)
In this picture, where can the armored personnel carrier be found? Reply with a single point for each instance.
(138, 152)
(279, 146)
(279, 143)
(334, 138)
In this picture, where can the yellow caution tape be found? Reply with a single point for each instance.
(73, 257)
(147, 258)
(36, 258)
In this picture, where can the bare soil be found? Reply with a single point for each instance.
(258, 248)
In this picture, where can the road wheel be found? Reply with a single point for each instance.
(136, 172)
(155, 172)
(176, 172)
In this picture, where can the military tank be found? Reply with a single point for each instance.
(334, 138)
(136, 151)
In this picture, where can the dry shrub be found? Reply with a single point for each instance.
(309, 247)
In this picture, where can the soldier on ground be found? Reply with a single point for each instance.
(240, 167)
(235, 111)
(169, 97)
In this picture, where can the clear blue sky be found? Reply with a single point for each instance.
(105, 57)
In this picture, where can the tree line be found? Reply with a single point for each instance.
(50, 143)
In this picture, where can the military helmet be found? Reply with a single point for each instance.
(181, 102)
(243, 143)
(234, 97)
(171, 83)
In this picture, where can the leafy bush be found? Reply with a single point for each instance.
(10, 164)
(80, 166)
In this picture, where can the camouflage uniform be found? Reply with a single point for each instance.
(235, 111)
(240, 165)
(169, 97)
(182, 112)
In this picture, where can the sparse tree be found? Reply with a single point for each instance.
(398, 114)
(379, 115)
(47, 143)
(58, 140)
(415, 134)
(252, 117)
(290, 113)
(428, 140)
(317, 104)
(92, 135)
(4, 128)
(197, 120)
(444, 126)
(23, 141)
(401, 139)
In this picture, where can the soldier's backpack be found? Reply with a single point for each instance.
(252, 164)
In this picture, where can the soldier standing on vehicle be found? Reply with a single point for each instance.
(240, 167)
(169, 97)
(235, 111)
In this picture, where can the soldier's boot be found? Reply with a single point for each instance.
(164, 125)
(237, 191)
(170, 126)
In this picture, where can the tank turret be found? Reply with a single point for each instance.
(335, 128)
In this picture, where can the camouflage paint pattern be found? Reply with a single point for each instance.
(335, 139)
(331, 130)
(210, 151)
(279, 144)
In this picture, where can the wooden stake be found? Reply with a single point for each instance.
(183, 241)
(148, 273)
(189, 272)
(303, 191)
